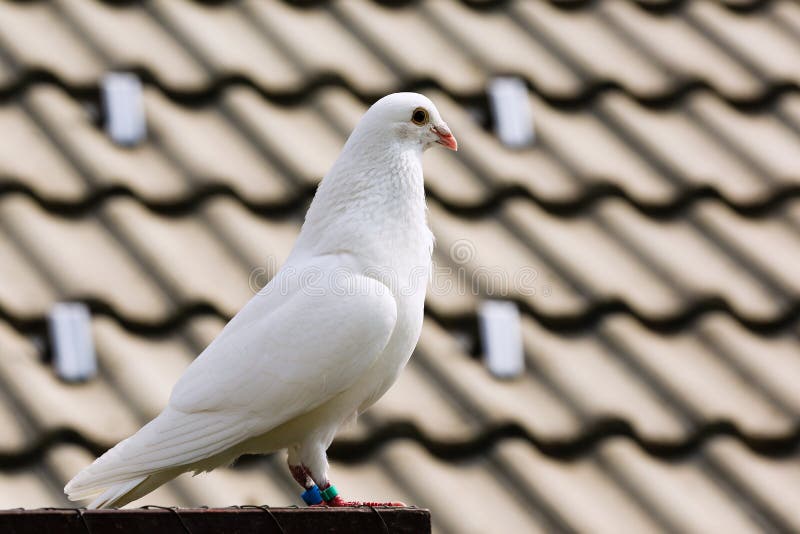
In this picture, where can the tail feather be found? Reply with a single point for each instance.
(115, 495)
(172, 443)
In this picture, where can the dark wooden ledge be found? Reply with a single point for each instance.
(235, 520)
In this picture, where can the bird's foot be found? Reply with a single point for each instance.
(338, 502)
(331, 498)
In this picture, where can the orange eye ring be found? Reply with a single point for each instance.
(420, 117)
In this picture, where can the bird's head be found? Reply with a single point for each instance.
(410, 118)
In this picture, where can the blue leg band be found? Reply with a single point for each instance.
(312, 495)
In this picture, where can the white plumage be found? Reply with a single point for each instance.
(321, 342)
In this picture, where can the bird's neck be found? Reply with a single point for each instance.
(371, 207)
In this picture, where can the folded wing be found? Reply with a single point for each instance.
(289, 350)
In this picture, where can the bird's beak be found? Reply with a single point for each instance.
(446, 139)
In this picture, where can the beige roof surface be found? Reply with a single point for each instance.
(656, 218)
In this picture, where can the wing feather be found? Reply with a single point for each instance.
(293, 357)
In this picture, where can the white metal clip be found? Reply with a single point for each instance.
(511, 109)
(501, 338)
(71, 339)
(123, 105)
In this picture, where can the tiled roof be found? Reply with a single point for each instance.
(659, 211)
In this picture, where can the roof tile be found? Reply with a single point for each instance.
(62, 52)
(586, 248)
(28, 157)
(690, 261)
(13, 437)
(405, 37)
(296, 136)
(233, 487)
(503, 46)
(262, 244)
(770, 243)
(317, 39)
(142, 169)
(30, 294)
(498, 401)
(679, 492)
(26, 487)
(787, 14)
(93, 409)
(142, 370)
(66, 252)
(183, 252)
(434, 484)
(594, 45)
(493, 263)
(771, 481)
(209, 149)
(595, 153)
(581, 491)
(415, 394)
(129, 37)
(674, 137)
(758, 40)
(691, 370)
(762, 137)
(237, 48)
(768, 360)
(450, 291)
(681, 48)
(588, 371)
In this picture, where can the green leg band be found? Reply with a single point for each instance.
(329, 493)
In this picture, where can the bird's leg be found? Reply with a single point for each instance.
(300, 473)
(297, 469)
(317, 469)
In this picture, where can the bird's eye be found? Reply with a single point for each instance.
(419, 117)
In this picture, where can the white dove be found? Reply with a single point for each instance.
(321, 342)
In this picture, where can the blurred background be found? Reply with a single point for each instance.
(611, 337)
